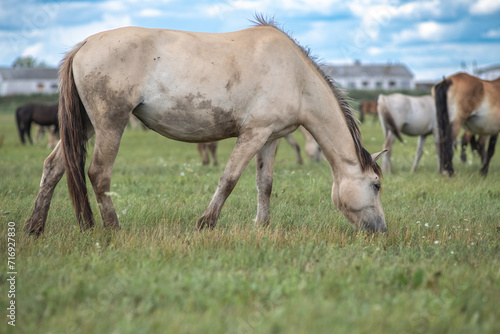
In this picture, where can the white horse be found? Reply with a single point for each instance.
(257, 85)
(413, 116)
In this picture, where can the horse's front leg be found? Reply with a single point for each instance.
(418, 154)
(248, 144)
(264, 161)
(53, 170)
(386, 159)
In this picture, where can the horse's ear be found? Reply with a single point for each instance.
(376, 156)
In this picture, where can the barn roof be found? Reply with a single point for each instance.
(7, 73)
(370, 70)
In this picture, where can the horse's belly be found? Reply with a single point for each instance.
(190, 124)
(480, 122)
(417, 127)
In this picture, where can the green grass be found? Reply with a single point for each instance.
(435, 271)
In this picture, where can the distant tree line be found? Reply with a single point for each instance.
(28, 62)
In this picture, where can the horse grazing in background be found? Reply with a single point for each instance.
(36, 113)
(413, 116)
(463, 100)
(208, 148)
(311, 147)
(368, 107)
(476, 145)
(257, 85)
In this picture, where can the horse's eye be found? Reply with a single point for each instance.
(377, 186)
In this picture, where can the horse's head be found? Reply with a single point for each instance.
(358, 197)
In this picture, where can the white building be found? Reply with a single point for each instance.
(488, 73)
(371, 76)
(28, 81)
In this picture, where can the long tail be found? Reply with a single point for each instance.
(444, 126)
(72, 123)
(20, 129)
(389, 121)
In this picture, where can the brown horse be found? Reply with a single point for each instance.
(36, 113)
(368, 107)
(463, 100)
(257, 85)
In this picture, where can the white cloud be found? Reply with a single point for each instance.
(150, 12)
(33, 50)
(270, 6)
(386, 10)
(492, 33)
(428, 31)
(485, 7)
(374, 51)
(70, 36)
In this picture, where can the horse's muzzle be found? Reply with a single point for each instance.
(376, 225)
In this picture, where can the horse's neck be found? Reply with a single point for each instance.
(327, 124)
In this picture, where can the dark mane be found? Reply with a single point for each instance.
(364, 157)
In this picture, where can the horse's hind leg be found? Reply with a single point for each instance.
(107, 142)
(264, 161)
(466, 138)
(295, 147)
(491, 151)
(418, 154)
(202, 150)
(27, 130)
(248, 144)
(53, 170)
(386, 159)
(213, 150)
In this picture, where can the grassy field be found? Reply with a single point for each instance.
(436, 270)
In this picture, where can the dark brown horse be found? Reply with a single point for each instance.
(35, 113)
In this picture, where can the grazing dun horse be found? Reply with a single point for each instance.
(413, 116)
(463, 100)
(256, 84)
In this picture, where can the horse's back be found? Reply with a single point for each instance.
(477, 101)
(191, 86)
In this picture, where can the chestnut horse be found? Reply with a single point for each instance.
(257, 85)
(463, 100)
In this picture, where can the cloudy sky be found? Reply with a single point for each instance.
(433, 37)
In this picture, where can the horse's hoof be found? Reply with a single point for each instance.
(203, 223)
(33, 229)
